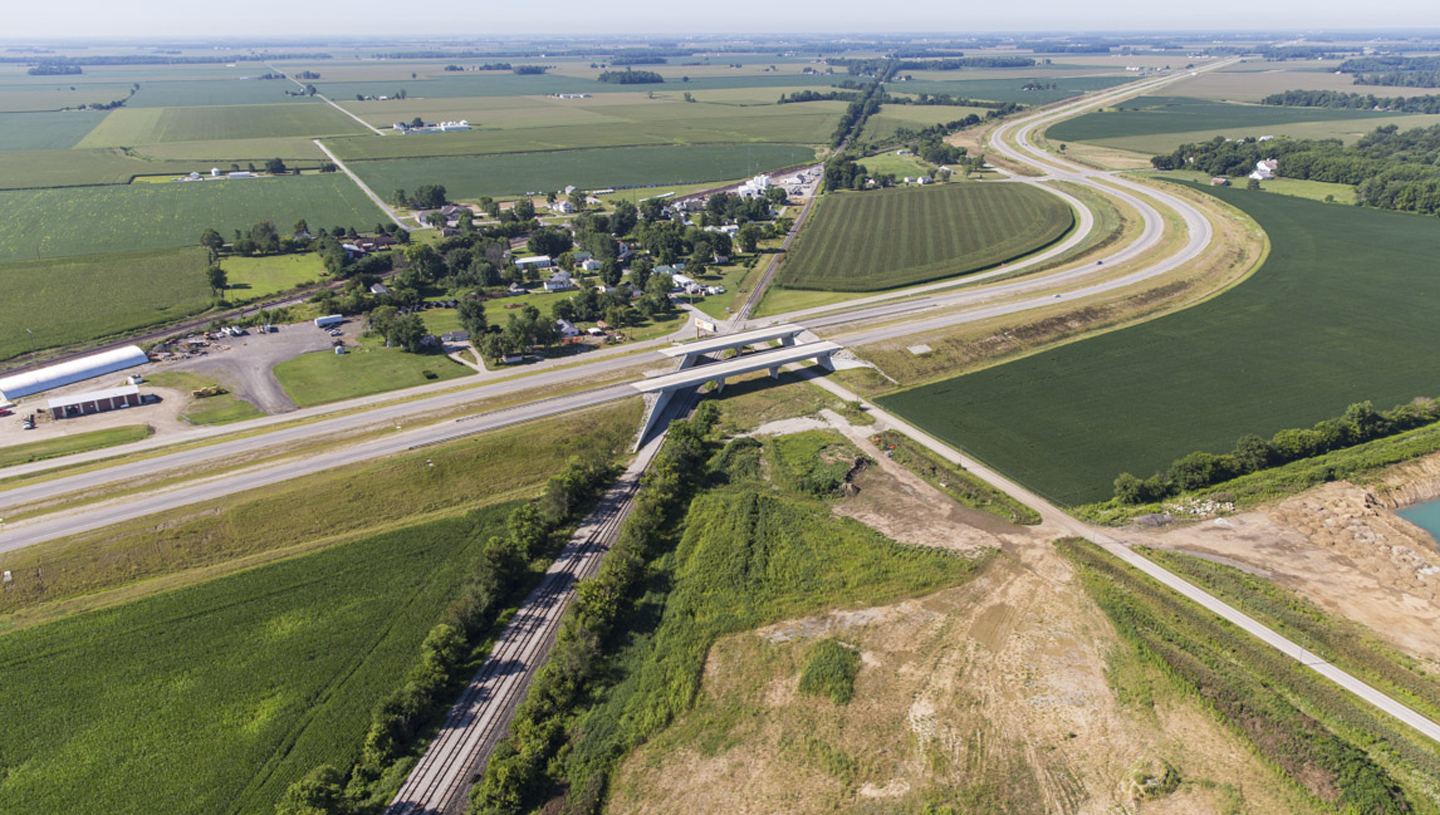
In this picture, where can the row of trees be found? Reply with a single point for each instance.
(426, 196)
(1359, 424)
(1340, 100)
(965, 62)
(497, 579)
(630, 77)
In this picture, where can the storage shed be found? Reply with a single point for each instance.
(76, 370)
(82, 404)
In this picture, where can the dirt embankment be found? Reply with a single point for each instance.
(1340, 545)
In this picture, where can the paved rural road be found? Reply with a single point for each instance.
(365, 188)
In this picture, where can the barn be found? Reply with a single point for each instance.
(83, 404)
(76, 370)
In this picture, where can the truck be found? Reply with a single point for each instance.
(329, 320)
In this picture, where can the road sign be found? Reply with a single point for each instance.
(705, 324)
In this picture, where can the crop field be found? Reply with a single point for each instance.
(51, 98)
(49, 303)
(1252, 85)
(1341, 312)
(92, 220)
(1347, 130)
(28, 169)
(122, 710)
(128, 127)
(46, 131)
(884, 239)
(225, 151)
(892, 117)
(1010, 90)
(474, 176)
(888, 163)
(1151, 115)
(208, 92)
(659, 122)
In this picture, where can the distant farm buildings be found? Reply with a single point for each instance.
(570, 96)
(1265, 169)
(430, 127)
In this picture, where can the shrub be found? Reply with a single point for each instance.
(830, 670)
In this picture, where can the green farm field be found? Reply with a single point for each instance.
(128, 127)
(220, 91)
(1347, 130)
(883, 239)
(91, 220)
(656, 123)
(1011, 90)
(32, 169)
(512, 174)
(51, 98)
(1153, 115)
(46, 131)
(123, 710)
(1341, 312)
(49, 303)
(883, 125)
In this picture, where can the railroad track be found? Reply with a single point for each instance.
(758, 291)
(475, 725)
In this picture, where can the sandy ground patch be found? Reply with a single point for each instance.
(1342, 547)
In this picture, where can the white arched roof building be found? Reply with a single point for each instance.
(76, 370)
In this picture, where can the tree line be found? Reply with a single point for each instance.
(498, 579)
(516, 775)
(630, 76)
(1359, 423)
(1390, 169)
(55, 69)
(965, 62)
(1341, 100)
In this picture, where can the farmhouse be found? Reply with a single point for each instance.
(560, 281)
(1265, 169)
(81, 404)
(76, 370)
(567, 328)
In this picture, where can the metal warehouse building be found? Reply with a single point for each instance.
(76, 370)
(81, 404)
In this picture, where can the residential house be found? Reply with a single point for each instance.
(567, 328)
(1265, 169)
(560, 281)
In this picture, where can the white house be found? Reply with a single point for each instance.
(567, 328)
(563, 207)
(590, 265)
(560, 281)
(1265, 169)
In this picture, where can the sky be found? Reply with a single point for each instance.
(265, 19)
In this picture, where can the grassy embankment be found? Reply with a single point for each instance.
(1341, 752)
(78, 443)
(1263, 356)
(886, 239)
(953, 480)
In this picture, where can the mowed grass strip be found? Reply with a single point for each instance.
(320, 377)
(474, 176)
(1342, 311)
(883, 239)
(77, 443)
(216, 697)
(58, 302)
(127, 127)
(94, 220)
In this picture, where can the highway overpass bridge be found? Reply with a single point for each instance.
(696, 369)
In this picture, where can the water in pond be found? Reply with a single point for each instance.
(1426, 516)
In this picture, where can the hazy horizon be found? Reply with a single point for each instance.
(268, 20)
